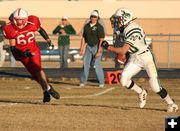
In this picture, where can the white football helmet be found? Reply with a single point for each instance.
(20, 18)
(124, 16)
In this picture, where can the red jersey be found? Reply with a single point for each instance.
(25, 37)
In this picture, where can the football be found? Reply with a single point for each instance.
(121, 58)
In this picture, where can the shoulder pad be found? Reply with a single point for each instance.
(9, 31)
(34, 20)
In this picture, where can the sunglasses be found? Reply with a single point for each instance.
(93, 16)
(64, 19)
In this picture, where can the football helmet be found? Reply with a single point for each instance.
(20, 18)
(122, 16)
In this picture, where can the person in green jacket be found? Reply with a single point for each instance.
(64, 29)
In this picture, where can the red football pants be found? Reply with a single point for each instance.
(32, 64)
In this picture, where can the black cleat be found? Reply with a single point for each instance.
(47, 97)
(54, 93)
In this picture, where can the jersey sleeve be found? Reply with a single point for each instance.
(9, 32)
(101, 32)
(35, 21)
(133, 35)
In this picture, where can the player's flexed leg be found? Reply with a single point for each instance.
(21, 34)
(140, 57)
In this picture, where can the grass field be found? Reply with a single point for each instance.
(112, 108)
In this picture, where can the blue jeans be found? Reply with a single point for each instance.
(88, 56)
(63, 51)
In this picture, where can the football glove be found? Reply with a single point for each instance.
(50, 45)
(14, 50)
(105, 44)
(27, 53)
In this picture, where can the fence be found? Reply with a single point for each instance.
(166, 48)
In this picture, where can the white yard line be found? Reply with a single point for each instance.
(8, 104)
(64, 97)
(92, 95)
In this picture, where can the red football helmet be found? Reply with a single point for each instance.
(20, 18)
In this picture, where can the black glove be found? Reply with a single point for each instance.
(105, 44)
(50, 45)
(27, 53)
(15, 51)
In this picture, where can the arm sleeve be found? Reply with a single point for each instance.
(43, 33)
(56, 30)
(101, 21)
(11, 17)
(101, 33)
(71, 30)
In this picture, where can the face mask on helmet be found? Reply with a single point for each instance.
(116, 23)
(20, 17)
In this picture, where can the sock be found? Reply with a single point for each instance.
(48, 87)
(137, 89)
(168, 99)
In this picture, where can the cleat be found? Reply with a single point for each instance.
(54, 93)
(81, 85)
(172, 108)
(142, 98)
(47, 97)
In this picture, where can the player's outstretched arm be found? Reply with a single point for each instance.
(46, 37)
(121, 50)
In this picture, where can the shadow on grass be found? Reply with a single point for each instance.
(32, 102)
(8, 74)
(38, 102)
(117, 107)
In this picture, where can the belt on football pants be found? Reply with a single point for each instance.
(143, 52)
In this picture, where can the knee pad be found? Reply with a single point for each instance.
(131, 85)
(162, 93)
(127, 83)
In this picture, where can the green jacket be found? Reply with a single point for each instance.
(64, 40)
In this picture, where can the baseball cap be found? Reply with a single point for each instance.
(65, 17)
(95, 13)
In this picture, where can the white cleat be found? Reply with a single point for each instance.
(142, 98)
(172, 108)
(82, 85)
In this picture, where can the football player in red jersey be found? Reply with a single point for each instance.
(21, 34)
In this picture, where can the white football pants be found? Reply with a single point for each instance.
(135, 64)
